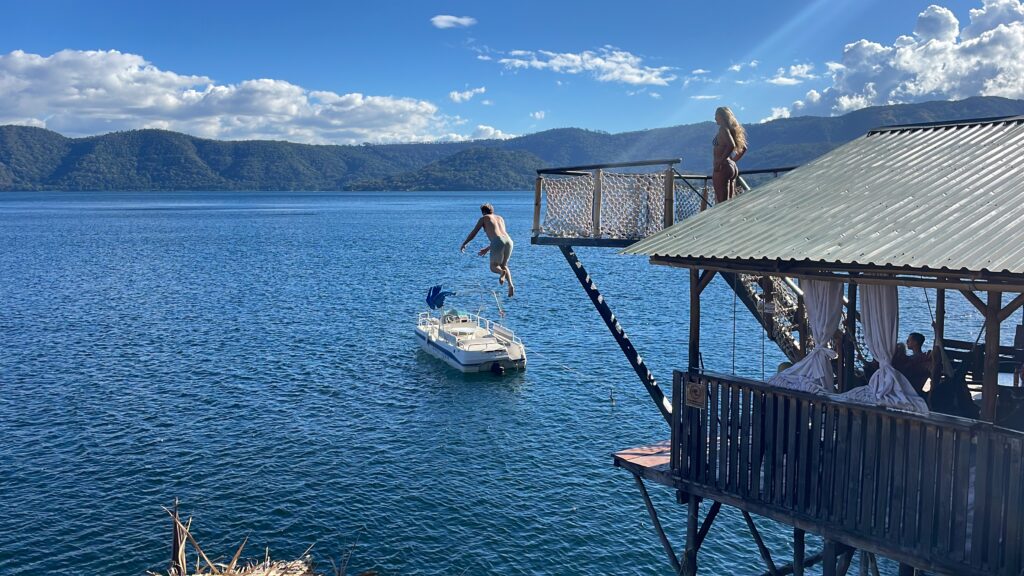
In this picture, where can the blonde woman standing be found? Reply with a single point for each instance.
(729, 145)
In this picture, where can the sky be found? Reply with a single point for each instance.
(350, 72)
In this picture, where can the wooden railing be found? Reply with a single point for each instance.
(941, 493)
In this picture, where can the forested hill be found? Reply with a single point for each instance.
(38, 159)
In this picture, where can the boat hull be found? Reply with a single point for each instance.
(510, 357)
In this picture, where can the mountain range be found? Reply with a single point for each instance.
(39, 159)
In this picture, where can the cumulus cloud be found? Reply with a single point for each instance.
(538, 115)
(82, 93)
(781, 112)
(465, 96)
(481, 132)
(447, 21)
(939, 60)
(606, 64)
(795, 74)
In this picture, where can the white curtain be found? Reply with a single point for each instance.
(824, 301)
(880, 314)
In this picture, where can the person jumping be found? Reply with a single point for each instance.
(500, 248)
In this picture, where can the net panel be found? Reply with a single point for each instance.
(570, 206)
(632, 205)
(688, 199)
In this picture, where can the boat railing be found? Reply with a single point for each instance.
(617, 204)
(499, 330)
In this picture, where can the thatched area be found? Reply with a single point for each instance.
(203, 566)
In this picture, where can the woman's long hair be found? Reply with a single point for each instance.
(739, 135)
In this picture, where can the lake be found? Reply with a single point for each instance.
(252, 354)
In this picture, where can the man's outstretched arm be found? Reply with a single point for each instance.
(479, 225)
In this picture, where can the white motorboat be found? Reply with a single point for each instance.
(469, 342)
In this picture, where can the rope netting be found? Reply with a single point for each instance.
(570, 206)
(688, 201)
(632, 205)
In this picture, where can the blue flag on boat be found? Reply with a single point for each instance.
(435, 297)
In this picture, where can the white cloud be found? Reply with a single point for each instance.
(705, 97)
(699, 71)
(447, 21)
(606, 64)
(484, 57)
(465, 96)
(655, 95)
(538, 115)
(489, 133)
(939, 60)
(741, 65)
(486, 102)
(81, 93)
(795, 74)
(777, 113)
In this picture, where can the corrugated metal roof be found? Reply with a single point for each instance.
(933, 197)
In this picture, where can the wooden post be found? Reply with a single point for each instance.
(990, 382)
(690, 556)
(801, 325)
(798, 552)
(670, 181)
(694, 349)
(828, 560)
(849, 350)
(939, 328)
(536, 206)
(598, 185)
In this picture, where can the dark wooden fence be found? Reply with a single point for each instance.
(941, 493)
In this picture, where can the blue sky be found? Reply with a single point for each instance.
(350, 72)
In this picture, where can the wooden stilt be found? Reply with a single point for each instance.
(906, 570)
(657, 525)
(766, 555)
(844, 562)
(828, 562)
(798, 552)
(690, 561)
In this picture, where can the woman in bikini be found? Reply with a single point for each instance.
(727, 148)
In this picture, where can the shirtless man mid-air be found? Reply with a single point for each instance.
(501, 244)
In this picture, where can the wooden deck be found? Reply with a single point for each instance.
(938, 493)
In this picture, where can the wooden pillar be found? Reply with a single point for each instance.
(670, 194)
(694, 349)
(828, 559)
(906, 570)
(598, 185)
(801, 326)
(690, 556)
(939, 328)
(798, 552)
(849, 350)
(990, 382)
(536, 206)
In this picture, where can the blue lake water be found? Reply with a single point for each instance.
(252, 354)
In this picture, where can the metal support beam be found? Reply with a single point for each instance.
(657, 526)
(635, 360)
(709, 519)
